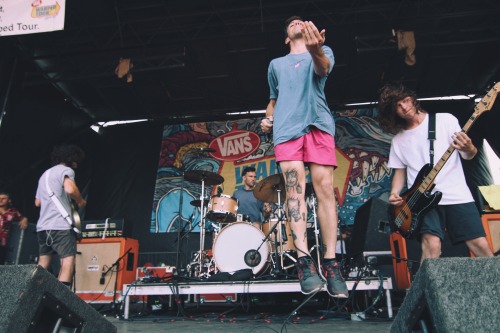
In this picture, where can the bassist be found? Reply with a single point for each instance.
(400, 114)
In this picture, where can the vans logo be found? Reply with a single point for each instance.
(234, 145)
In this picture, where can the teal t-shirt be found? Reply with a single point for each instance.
(300, 97)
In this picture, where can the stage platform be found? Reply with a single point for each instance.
(241, 287)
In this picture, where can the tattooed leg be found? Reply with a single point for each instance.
(292, 181)
(294, 209)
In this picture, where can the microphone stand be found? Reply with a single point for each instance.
(117, 265)
(316, 231)
(179, 220)
(278, 263)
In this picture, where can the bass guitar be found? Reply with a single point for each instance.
(419, 199)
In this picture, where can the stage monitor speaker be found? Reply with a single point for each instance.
(103, 265)
(452, 295)
(22, 248)
(33, 301)
(371, 228)
(407, 254)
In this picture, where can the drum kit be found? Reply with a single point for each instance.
(237, 243)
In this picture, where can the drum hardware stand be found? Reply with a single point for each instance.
(202, 177)
(217, 228)
(278, 249)
(203, 267)
(279, 268)
(269, 190)
(316, 231)
(202, 228)
(179, 231)
(289, 257)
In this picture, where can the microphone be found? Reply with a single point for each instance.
(207, 150)
(252, 258)
(103, 274)
(219, 190)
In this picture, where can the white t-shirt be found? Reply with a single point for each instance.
(50, 216)
(410, 150)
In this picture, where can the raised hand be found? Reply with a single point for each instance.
(314, 39)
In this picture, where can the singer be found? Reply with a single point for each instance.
(247, 203)
(303, 134)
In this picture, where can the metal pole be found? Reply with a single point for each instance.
(7, 93)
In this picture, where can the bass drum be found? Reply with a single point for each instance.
(232, 245)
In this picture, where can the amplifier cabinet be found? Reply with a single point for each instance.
(491, 224)
(95, 282)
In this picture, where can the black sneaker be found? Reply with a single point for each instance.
(308, 276)
(335, 283)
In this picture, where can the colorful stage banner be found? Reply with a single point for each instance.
(20, 17)
(225, 148)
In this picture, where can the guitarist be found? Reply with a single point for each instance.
(400, 114)
(55, 234)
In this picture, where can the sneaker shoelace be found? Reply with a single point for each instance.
(332, 271)
(306, 269)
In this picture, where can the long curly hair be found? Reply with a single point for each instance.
(67, 154)
(389, 96)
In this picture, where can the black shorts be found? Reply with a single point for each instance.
(62, 242)
(462, 221)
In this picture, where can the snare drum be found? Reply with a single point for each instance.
(285, 240)
(222, 208)
(234, 242)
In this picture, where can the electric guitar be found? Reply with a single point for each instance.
(418, 199)
(77, 223)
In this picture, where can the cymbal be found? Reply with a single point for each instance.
(197, 176)
(197, 203)
(270, 189)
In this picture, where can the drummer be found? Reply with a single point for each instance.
(255, 211)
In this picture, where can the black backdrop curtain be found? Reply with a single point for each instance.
(123, 183)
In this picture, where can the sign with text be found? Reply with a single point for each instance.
(20, 17)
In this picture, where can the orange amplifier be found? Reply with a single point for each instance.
(154, 274)
(103, 264)
(400, 254)
(491, 224)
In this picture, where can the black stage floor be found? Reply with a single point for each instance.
(244, 324)
(281, 312)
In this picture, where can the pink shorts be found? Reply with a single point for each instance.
(314, 147)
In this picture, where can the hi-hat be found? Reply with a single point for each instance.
(270, 189)
(197, 176)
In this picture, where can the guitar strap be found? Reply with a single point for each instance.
(58, 203)
(432, 136)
